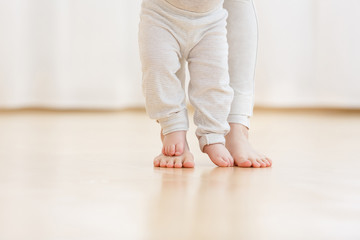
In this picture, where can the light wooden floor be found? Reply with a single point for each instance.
(89, 175)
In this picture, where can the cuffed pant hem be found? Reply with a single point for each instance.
(237, 118)
(176, 122)
(211, 138)
(242, 105)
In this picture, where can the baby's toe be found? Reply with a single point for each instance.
(156, 162)
(189, 162)
(243, 162)
(163, 163)
(255, 163)
(260, 161)
(178, 163)
(172, 150)
(179, 149)
(266, 162)
(170, 163)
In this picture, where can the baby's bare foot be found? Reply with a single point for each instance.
(186, 160)
(174, 143)
(243, 153)
(219, 155)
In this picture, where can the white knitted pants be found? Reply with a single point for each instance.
(242, 38)
(169, 36)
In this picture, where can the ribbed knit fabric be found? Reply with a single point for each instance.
(169, 36)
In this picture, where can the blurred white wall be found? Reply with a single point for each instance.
(309, 53)
(69, 54)
(84, 53)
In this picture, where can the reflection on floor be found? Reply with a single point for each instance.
(89, 175)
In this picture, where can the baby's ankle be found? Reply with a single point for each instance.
(239, 128)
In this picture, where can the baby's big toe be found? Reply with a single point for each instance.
(241, 161)
(189, 161)
(221, 162)
(179, 149)
(157, 162)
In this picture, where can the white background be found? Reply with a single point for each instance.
(84, 53)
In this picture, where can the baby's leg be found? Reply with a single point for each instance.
(162, 88)
(242, 38)
(210, 93)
